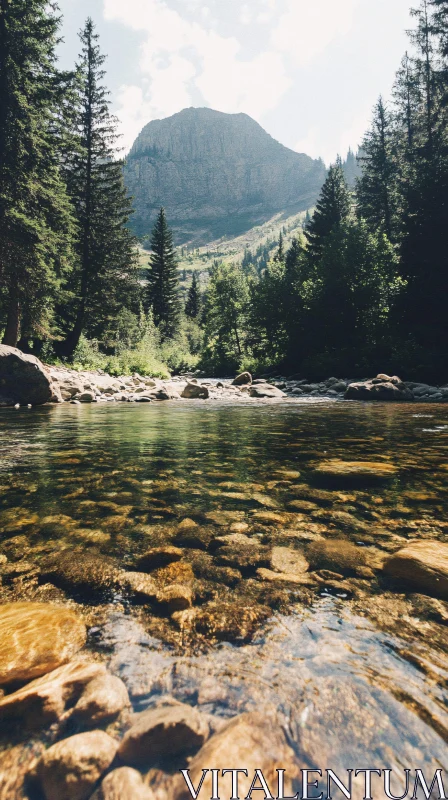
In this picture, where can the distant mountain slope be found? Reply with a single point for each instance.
(216, 174)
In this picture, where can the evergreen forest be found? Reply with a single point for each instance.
(362, 289)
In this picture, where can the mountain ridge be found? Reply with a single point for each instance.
(216, 174)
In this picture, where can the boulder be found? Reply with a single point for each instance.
(36, 638)
(69, 769)
(44, 700)
(124, 783)
(193, 391)
(250, 740)
(23, 378)
(244, 379)
(161, 733)
(380, 388)
(422, 566)
(265, 390)
(354, 473)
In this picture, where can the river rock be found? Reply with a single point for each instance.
(354, 473)
(193, 391)
(102, 700)
(169, 731)
(265, 390)
(338, 555)
(421, 565)
(285, 559)
(157, 557)
(230, 621)
(244, 379)
(80, 571)
(69, 769)
(251, 741)
(36, 638)
(382, 387)
(23, 378)
(124, 783)
(45, 699)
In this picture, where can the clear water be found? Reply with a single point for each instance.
(358, 675)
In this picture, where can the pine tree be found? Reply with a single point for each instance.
(376, 189)
(105, 281)
(333, 208)
(193, 304)
(161, 294)
(36, 223)
(280, 254)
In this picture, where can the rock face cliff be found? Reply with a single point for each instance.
(216, 175)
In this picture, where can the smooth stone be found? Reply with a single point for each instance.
(45, 699)
(103, 699)
(355, 472)
(265, 390)
(37, 638)
(421, 565)
(169, 731)
(69, 769)
(140, 584)
(269, 518)
(23, 378)
(381, 388)
(244, 379)
(176, 597)
(124, 783)
(284, 559)
(193, 391)
(304, 579)
(251, 740)
(198, 538)
(339, 555)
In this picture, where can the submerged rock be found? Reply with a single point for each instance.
(285, 559)
(23, 378)
(70, 769)
(102, 701)
(124, 783)
(250, 740)
(339, 555)
(230, 621)
(36, 638)
(354, 473)
(157, 557)
(421, 565)
(161, 733)
(45, 699)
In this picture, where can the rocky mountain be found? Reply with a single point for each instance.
(216, 175)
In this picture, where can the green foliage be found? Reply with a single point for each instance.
(161, 296)
(105, 279)
(193, 304)
(332, 209)
(226, 318)
(36, 223)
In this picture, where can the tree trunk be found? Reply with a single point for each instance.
(66, 348)
(12, 330)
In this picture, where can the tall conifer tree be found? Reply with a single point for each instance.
(161, 294)
(376, 189)
(36, 223)
(106, 278)
(332, 209)
(193, 304)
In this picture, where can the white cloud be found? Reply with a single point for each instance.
(306, 28)
(317, 144)
(245, 15)
(180, 57)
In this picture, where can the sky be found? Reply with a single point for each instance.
(309, 71)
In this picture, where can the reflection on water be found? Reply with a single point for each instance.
(357, 668)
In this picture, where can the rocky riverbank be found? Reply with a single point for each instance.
(24, 380)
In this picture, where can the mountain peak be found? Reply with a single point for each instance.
(216, 174)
